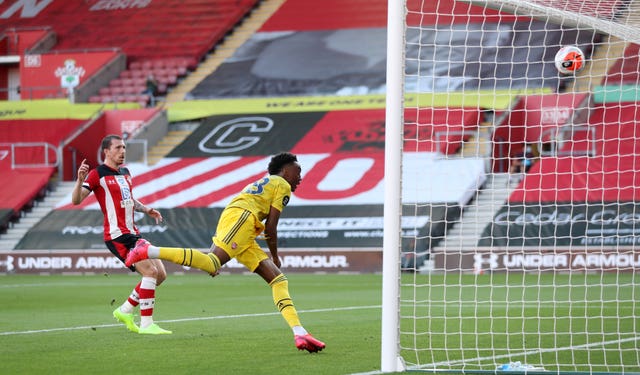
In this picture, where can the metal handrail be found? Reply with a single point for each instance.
(557, 138)
(444, 134)
(46, 146)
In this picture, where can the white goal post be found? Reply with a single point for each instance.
(390, 358)
(529, 182)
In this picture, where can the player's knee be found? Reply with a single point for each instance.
(276, 279)
(154, 272)
(216, 264)
(222, 255)
(161, 276)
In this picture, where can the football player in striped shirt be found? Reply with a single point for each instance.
(111, 184)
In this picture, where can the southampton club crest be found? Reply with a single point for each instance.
(69, 74)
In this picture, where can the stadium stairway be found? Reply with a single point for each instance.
(225, 49)
(464, 235)
(16, 231)
(176, 134)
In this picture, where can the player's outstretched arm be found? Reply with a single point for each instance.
(138, 206)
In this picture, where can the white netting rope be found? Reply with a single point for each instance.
(515, 306)
(617, 18)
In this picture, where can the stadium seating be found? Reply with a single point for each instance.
(167, 29)
(26, 186)
(338, 14)
(165, 38)
(440, 130)
(608, 176)
(28, 183)
(529, 119)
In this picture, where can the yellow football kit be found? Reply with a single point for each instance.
(241, 221)
(238, 227)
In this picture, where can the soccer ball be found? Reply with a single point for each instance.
(569, 60)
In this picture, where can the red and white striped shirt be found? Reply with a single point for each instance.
(114, 193)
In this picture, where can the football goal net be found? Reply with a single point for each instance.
(520, 169)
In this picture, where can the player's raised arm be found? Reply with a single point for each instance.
(79, 194)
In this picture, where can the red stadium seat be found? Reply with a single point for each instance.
(173, 72)
(129, 90)
(117, 90)
(125, 74)
(159, 72)
(137, 73)
(116, 82)
(184, 30)
(126, 82)
(167, 80)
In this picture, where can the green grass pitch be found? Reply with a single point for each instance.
(228, 324)
(224, 325)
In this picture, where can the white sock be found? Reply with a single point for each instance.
(153, 252)
(126, 307)
(299, 331)
(148, 283)
(146, 321)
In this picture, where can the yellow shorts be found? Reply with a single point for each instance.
(236, 235)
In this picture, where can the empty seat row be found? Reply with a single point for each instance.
(143, 100)
(126, 82)
(171, 62)
(128, 90)
(144, 72)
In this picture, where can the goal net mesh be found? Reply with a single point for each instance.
(519, 248)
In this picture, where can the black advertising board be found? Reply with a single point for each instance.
(577, 224)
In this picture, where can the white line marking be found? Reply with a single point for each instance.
(533, 351)
(238, 316)
(433, 367)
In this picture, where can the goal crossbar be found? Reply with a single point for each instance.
(623, 22)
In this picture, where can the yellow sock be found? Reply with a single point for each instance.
(280, 289)
(192, 258)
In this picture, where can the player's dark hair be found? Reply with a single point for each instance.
(280, 160)
(106, 141)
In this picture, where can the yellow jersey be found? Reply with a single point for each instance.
(259, 196)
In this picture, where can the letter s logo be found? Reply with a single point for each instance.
(221, 135)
